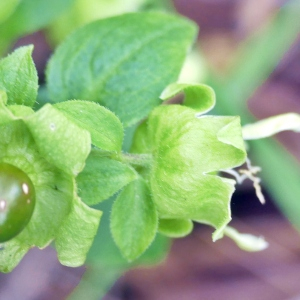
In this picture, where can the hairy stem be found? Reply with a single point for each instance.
(142, 160)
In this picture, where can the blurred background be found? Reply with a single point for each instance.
(249, 52)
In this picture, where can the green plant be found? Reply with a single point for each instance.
(102, 136)
(166, 181)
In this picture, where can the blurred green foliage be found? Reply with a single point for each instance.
(22, 17)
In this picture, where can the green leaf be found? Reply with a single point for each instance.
(134, 220)
(105, 128)
(175, 228)
(104, 251)
(102, 177)
(123, 62)
(271, 126)
(3, 98)
(186, 152)
(165, 5)
(86, 11)
(11, 254)
(76, 234)
(30, 15)
(201, 97)
(141, 141)
(128, 136)
(7, 8)
(20, 111)
(53, 188)
(5, 114)
(59, 140)
(42, 98)
(18, 77)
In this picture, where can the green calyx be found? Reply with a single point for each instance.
(187, 151)
(22, 146)
(184, 151)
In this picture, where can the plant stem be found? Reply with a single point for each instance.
(134, 159)
(142, 160)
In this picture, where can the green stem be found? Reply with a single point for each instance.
(134, 159)
(95, 283)
(142, 160)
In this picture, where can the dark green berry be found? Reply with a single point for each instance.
(17, 200)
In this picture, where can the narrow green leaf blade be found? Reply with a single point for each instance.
(77, 233)
(280, 175)
(261, 53)
(105, 128)
(123, 62)
(62, 142)
(258, 57)
(18, 77)
(102, 177)
(134, 220)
